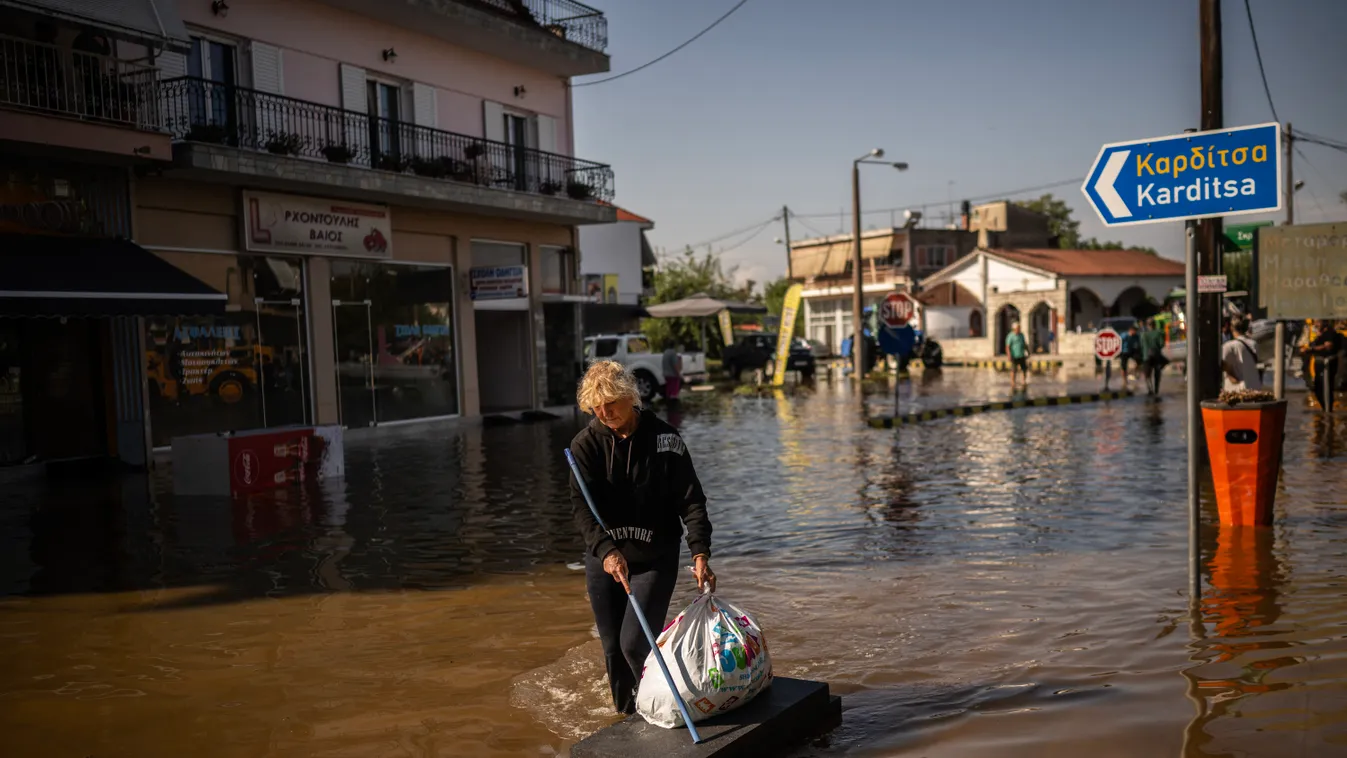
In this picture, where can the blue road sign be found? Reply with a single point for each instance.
(1223, 172)
(898, 341)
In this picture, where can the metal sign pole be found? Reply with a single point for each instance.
(1108, 372)
(1194, 419)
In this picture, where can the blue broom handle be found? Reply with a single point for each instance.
(640, 616)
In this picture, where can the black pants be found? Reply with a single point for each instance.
(1153, 369)
(624, 645)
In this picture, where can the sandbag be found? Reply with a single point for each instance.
(718, 658)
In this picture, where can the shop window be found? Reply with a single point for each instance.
(393, 330)
(558, 270)
(13, 439)
(247, 369)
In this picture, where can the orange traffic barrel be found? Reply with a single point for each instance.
(1244, 442)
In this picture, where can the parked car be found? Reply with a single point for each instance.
(819, 349)
(634, 352)
(758, 351)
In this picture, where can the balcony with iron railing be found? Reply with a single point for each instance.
(873, 272)
(45, 78)
(567, 19)
(197, 110)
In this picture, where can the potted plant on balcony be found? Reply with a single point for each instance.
(474, 150)
(432, 168)
(578, 190)
(549, 187)
(1244, 441)
(215, 134)
(460, 171)
(335, 153)
(285, 143)
(392, 162)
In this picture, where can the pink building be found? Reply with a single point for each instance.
(320, 210)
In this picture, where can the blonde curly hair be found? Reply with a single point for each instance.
(604, 382)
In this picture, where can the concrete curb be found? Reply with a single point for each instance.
(1003, 365)
(889, 422)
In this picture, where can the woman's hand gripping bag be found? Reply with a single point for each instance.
(718, 658)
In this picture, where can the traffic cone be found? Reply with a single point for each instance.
(1244, 443)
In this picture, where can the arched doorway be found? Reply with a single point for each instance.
(1039, 329)
(975, 323)
(1087, 310)
(1005, 318)
(1131, 302)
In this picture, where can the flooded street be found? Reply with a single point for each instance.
(1008, 584)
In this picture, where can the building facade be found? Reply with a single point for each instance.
(345, 212)
(617, 269)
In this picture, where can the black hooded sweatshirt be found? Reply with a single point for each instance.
(642, 485)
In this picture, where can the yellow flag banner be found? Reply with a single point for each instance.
(788, 308)
(726, 328)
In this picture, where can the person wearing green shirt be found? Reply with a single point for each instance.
(1153, 358)
(1019, 355)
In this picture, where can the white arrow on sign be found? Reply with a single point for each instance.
(1104, 185)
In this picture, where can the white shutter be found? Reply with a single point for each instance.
(549, 169)
(493, 121)
(425, 112)
(425, 107)
(355, 97)
(267, 72)
(498, 157)
(172, 65)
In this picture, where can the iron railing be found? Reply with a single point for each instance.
(567, 19)
(200, 110)
(70, 82)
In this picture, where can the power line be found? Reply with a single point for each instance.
(1258, 54)
(932, 204)
(648, 64)
(1319, 140)
(754, 227)
(1314, 168)
(747, 239)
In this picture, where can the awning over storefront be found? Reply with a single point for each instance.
(49, 275)
(154, 21)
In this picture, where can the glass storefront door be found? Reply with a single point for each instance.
(396, 347)
(246, 369)
(353, 335)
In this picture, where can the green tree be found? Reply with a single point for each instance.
(1060, 222)
(684, 276)
(774, 297)
(1094, 244)
(1343, 196)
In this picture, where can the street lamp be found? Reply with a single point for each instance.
(857, 300)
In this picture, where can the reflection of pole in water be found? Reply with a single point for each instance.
(1242, 604)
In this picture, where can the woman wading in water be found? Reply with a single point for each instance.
(641, 477)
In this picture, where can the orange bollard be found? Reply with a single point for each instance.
(1244, 443)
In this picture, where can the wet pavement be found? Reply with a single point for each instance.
(1008, 584)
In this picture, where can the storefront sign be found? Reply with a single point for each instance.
(421, 330)
(1302, 271)
(498, 282)
(314, 226)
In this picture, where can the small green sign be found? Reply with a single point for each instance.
(1240, 236)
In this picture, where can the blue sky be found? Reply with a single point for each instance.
(769, 108)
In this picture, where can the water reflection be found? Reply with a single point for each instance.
(1239, 647)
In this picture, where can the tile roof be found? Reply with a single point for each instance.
(1093, 262)
(626, 215)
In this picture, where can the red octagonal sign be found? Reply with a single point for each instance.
(1107, 345)
(896, 310)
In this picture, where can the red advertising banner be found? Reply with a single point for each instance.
(275, 459)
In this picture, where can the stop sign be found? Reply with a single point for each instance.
(896, 310)
(1107, 344)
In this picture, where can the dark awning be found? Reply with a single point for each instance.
(155, 22)
(48, 275)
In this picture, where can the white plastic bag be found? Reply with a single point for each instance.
(718, 658)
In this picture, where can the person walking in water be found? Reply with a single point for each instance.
(672, 363)
(640, 475)
(1131, 351)
(1239, 359)
(1019, 354)
(1153, 358)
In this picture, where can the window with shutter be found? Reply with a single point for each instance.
(355, 101)
(267, 73)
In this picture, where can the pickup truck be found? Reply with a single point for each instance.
(758, 351)
(634, 352)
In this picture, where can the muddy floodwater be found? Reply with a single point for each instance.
(1008, 584)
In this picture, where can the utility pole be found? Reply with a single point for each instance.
(1204, 339)
(857, 295)
(1279, 368)
(785, 219)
